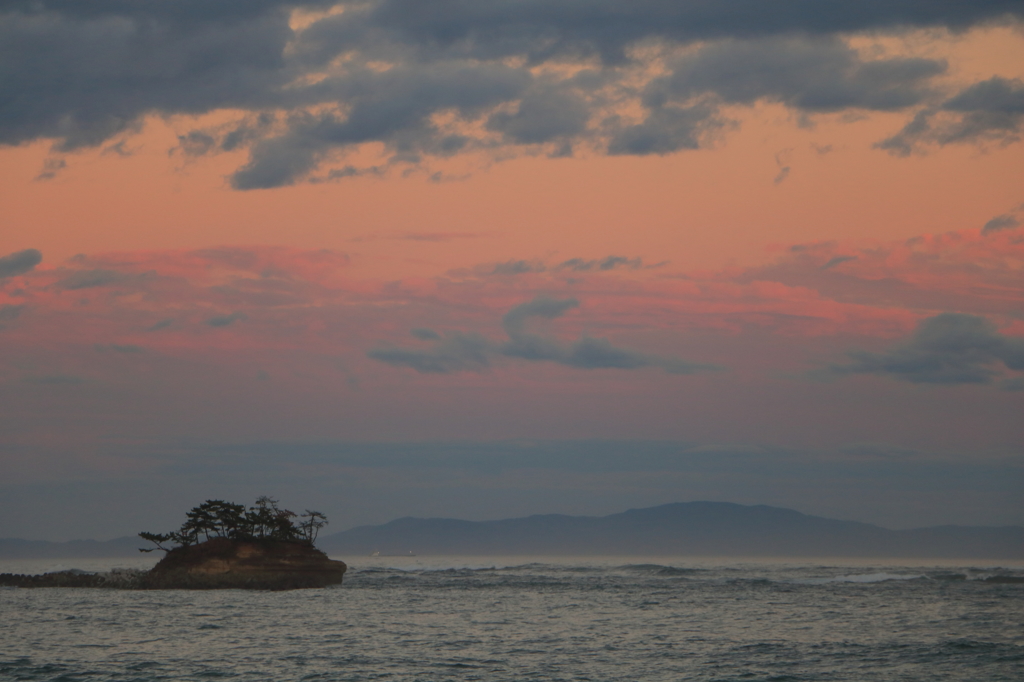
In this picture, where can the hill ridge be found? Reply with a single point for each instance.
(698, 528)
(678, 528)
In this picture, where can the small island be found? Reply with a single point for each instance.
(221, 545)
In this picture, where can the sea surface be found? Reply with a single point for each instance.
(514, 618)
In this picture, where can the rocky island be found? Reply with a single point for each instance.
(221, 545)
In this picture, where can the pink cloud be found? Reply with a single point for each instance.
(248, 302)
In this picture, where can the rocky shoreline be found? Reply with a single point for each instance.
(219, 563)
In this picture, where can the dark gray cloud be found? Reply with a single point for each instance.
(811, 75)
(544, 114)
(517, 267)
(520, 267)
(665, 130)
(19, 262)
(815, 75)
(50, 168)
(85, 74)
(992, 110)
(999, 223)
(395, 107)
(88, 279)
(605, 28)
(543, 307)
(836, 260)
(457, 352)
(951, 348)
(608, 263)
(225, 320)
(530, 346)
(197, 143)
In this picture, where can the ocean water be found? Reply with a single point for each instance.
(496, 618)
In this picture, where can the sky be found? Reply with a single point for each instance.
(490, 259)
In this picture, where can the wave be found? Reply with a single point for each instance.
(864, 578)
(659, 569)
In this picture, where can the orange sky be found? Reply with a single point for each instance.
(702, 208)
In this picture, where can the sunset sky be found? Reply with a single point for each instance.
(488, 259)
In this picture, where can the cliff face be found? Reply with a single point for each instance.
(244, 564)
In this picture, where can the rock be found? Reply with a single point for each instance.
(215, 564)
(57, 579)
(222, 563)
(125, 579)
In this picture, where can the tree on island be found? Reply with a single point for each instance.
(220, 519)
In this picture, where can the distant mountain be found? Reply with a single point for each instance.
(681, 529)
(76, 549)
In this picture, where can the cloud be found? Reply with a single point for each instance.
(88, 279)
(527, 346)
(594, 353)
(83, 75)
(196, 143)
(666, 129)
(605, 28)
(810, 74)
(307, 305)
(395, 107)
(609, 263)
(951, 348)
(517, 267)
(19, 263)
(546, 308)
(836, 260)
(458, 351)
(430, 81)
(543, 114)
(991, 110)
(50, 169)
(962, 271)
(1000, 222)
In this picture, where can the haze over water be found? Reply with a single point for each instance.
(500, 618)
